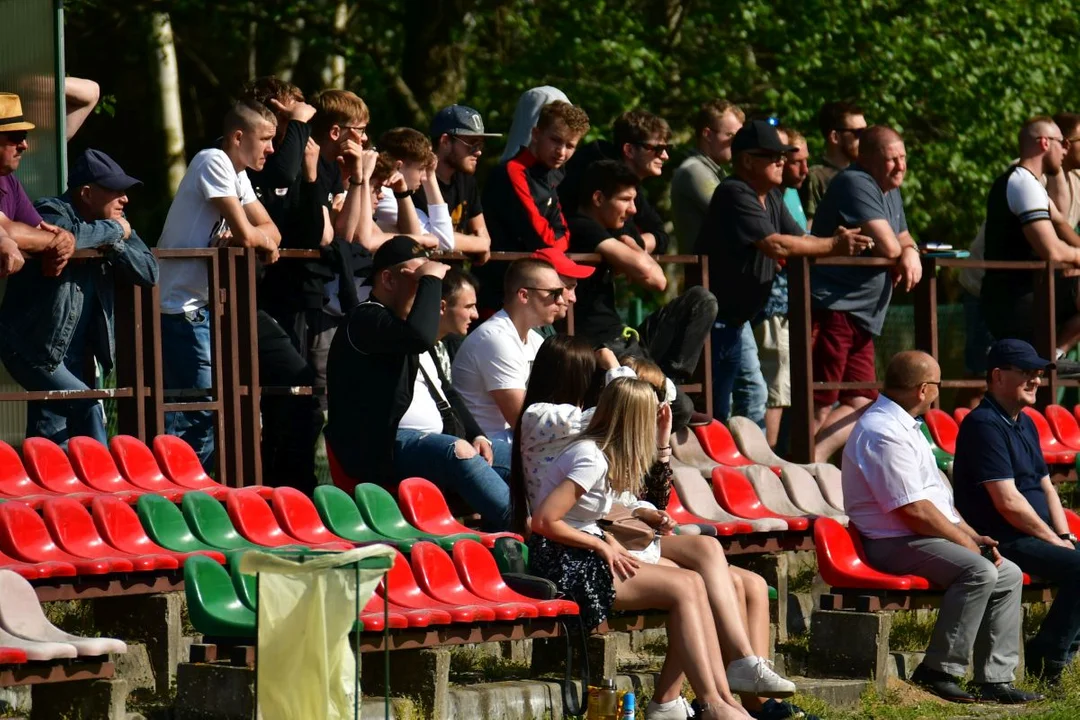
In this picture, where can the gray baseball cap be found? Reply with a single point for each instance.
(459, 120)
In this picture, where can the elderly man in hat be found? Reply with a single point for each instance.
(1003, 488)
(747, 231)
(50, 326)
(19, 221)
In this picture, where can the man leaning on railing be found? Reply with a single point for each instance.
(50, 326)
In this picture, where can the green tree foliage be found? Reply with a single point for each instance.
(956, 78)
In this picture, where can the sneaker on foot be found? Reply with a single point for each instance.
(677, 709)
(755, 676)
(776, 710)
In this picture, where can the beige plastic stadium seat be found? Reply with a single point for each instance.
(770, 490)
(38, 650)
(698, 498)
(805, 493)
(752, 443)
(21, 616)
(687, 449)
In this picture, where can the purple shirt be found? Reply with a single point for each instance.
(14, 203)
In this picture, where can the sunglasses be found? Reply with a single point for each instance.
(15, 137)
(658, 149)
(555, 293)
(771, 157)
(472, 147)
(1029, 375)
(857, 132)
(1064, 143)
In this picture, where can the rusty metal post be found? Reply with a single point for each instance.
(802, 380)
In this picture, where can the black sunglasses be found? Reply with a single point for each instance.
(658, 149)
(472, 147)
(15, 136)
(857, 132)
(555, 293)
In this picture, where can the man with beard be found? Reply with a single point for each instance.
(458, 138)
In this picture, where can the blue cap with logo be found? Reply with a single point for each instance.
(94, 167)
(1015, 354)
(459, 120)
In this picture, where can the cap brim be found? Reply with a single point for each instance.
(461, 132)
(16, 127)
(578, 272)
(118, 182)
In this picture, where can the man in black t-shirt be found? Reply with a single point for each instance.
(458, 137)
(746, 234)
(674, 335)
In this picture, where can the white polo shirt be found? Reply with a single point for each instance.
(888, 464)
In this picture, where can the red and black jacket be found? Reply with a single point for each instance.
(521, 206)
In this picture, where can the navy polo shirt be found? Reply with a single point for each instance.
(992, 446)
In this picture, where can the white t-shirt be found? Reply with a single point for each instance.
(584, 464)
(493, 357)
(889, 464)
(194, 222)
(1027, 197)
(423, 413)
(436, 221)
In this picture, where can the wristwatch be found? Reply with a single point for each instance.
(1067, 536)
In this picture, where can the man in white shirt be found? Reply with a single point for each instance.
(214, 205)
(905, 513)
(492, 367)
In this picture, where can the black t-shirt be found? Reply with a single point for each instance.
(595, 316)
(462, 196)
(992, 446)
(740, 275)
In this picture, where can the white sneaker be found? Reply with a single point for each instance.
(677, 709)
(754, 675)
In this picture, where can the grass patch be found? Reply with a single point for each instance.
(803, 580)
(73, 616)
(911, 630)
(468, 665)
(796, 648)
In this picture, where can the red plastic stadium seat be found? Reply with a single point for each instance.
(1074, 522)
(1064, 426)
(718, 444)
(95, 466)
(48, 466)
(137, 464)
(1053, 451)
(959, 414)
(423, 505)
(73, 528)
(435, 573)
(681, 515)
(736, 495)
(297, 516)
(120, 527)
(477, 568)
(371, 617)
(23, 536)
(405, 592)
(255, 520)
(840, 564)
(12, 656)
(943, 429)
(36, 571)
(14, 482)
(181, 465)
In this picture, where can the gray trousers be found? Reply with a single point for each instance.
(980, 613)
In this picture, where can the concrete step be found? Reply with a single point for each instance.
(837, 693)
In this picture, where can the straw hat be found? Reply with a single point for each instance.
(11, 114)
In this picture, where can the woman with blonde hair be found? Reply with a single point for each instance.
(576, 490)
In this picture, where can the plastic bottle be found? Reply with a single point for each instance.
(629, 707)
(608, 706)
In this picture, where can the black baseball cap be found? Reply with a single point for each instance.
(396, 250)
(459, 120)
(94, 167)
(759, 135)
(1016, 354)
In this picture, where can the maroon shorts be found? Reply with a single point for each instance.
(843, 351)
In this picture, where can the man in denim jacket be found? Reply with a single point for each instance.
(51, 326)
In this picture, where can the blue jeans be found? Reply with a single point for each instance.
(738, 385)
(58, 420)
(501, 452)
(432, 457)
(185, 360)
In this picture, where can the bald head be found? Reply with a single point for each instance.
(874, 140)
(909, 369)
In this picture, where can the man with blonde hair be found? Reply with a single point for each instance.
(702, 171)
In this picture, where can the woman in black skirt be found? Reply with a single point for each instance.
(575, 490)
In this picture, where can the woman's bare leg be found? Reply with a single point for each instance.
(756, 607)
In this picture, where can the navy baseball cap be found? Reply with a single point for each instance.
(1016, 354)
(759, 135)
(459, 120)
(396, 250)
(94, 167)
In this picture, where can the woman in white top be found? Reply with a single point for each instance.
(611, 455)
